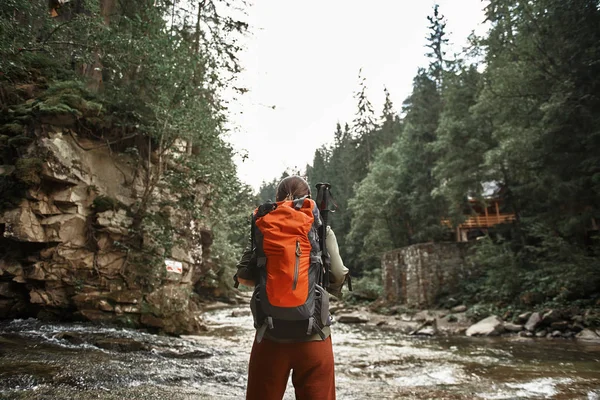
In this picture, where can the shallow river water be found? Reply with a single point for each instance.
(80, 361)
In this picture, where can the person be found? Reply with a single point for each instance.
(310, 358)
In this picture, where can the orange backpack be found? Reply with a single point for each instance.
(288, 299)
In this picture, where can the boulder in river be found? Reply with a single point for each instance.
(352, 318)
(533, 322)
(588, 334)
(490, 326)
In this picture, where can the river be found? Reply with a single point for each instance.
(40, 360)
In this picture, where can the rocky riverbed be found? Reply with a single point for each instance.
(377, 358)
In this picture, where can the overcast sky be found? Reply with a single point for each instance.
(301, 64)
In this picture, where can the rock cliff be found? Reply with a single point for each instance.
(65, 246)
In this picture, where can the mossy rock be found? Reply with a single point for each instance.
(19, 141)
(12, 129)
(28, 170)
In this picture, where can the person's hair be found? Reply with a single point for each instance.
(292, 187)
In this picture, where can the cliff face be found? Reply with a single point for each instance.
(64, 249)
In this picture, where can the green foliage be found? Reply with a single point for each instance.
(495, 275)
(366, 288)
(479, 311)
(12, 129)
(524, 119)
(140, 75)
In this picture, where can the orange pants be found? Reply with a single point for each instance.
(311, 363)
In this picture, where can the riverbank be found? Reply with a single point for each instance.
(550, 323)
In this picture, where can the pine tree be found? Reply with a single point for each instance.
(436, 42)
(461, 143)
(390, 123)
(363, 130)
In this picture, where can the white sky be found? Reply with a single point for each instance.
(301, 65)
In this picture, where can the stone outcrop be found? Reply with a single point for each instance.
(416, 275)
(490, 326)
(62, 251)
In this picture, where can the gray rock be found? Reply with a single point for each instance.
(422, 316)
(578, 327)
(588, 334)
(240, 313)
(404, 317)
(355, 318)
(22, 225)
(427, 331)
(541, 333)
(513, 327)
(459, 309)
(523, 318)
(490, 326)
(121, 345)
(526, 334)
(552, 316)
(533, 322)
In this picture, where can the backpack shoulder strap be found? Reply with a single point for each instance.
(299, 202)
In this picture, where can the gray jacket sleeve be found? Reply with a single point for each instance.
(246, 267)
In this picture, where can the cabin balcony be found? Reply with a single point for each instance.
(478, 225)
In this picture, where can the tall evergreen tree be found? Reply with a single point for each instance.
(390, 124)
(364, 130)
(436, 43)
(461, 143)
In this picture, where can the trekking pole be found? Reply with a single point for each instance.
(323, 203)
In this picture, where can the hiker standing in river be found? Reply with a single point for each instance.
(293, 261)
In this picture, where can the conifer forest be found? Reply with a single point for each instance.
(516, 116)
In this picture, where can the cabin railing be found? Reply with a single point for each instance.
(483, 221)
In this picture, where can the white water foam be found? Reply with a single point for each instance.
(537, 388)
(444, 375)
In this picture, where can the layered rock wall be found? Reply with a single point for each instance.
(61, 255)
(418, 275)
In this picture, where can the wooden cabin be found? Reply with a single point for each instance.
(483, 219)
(480, 218)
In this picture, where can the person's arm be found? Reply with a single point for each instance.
(338, 272)
(244, 274)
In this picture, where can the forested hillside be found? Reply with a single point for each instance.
(113, 156)
(519, 109)
(144, 77)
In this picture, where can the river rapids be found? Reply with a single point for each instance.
(40, 360)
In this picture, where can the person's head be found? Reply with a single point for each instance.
(292, 187)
